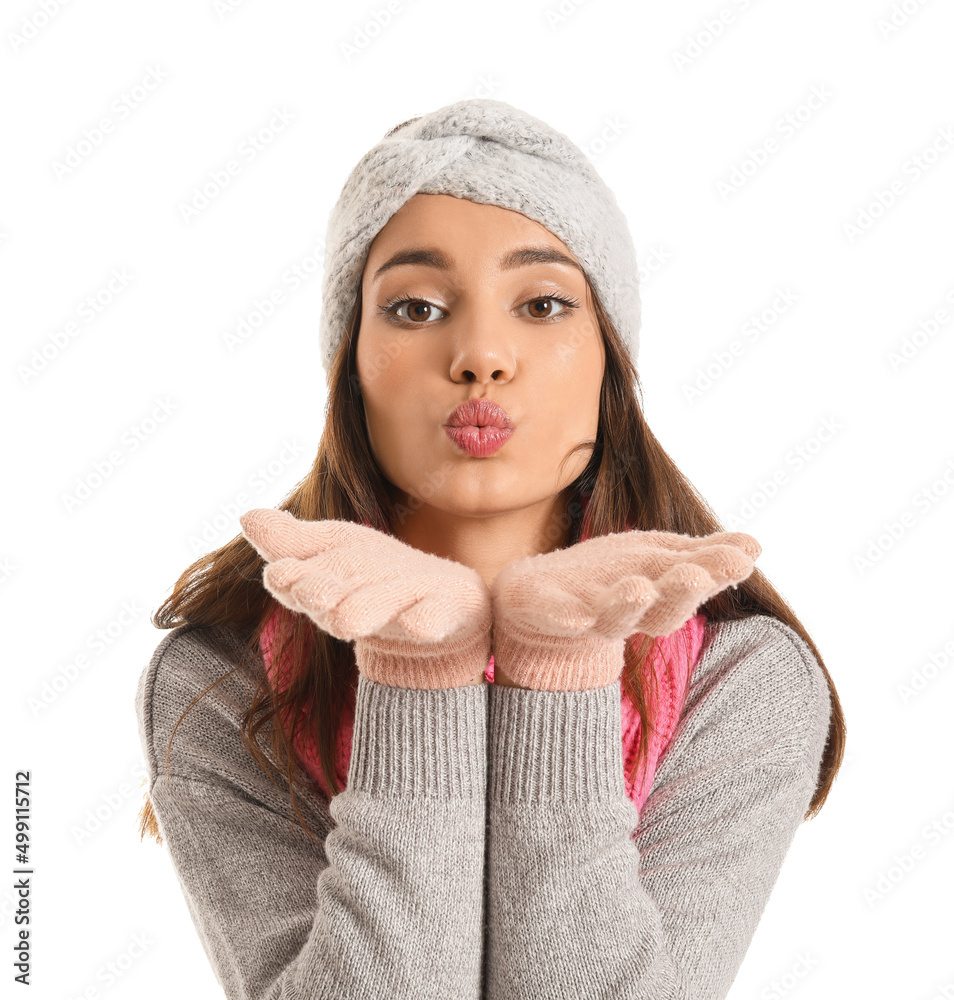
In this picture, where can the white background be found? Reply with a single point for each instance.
(670, 111)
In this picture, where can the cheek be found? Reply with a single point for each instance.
(391, 393)
(383, 359)
(569, 391)
(378, 358)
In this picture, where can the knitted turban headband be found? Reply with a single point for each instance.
(486, 151)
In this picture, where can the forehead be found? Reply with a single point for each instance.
(450, 233)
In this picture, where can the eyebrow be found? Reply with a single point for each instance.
(522, 257)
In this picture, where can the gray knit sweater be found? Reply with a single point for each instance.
(484, 846)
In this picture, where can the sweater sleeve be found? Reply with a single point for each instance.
(588, 898)
(387, 900)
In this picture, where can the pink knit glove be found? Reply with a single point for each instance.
(562, 618)
(417, 620)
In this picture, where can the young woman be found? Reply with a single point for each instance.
(536, 726)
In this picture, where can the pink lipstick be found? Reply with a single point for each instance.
(479, 427)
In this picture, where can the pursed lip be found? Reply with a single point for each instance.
(479, 413)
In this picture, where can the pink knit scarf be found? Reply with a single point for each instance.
(672, 659)
(672, 682)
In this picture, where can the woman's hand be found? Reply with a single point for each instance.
(561, 619)
(417, 620)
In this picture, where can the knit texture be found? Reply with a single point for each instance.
(484, 848)
(413, 819)
(561, 619)
(671, 661)
(489, 152)
(417, 620)
(669, 666)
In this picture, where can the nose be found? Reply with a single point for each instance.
(482, 350)
(480, 372)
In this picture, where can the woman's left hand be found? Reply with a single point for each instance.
(561, 619)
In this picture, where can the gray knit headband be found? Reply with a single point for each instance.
(490, 152)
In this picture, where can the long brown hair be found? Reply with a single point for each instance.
(629, 482)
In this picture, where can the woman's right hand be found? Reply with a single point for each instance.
(417, 620)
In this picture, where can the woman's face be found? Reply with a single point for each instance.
(478, 327)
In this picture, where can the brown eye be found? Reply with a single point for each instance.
(540, 307)
(418, 311)
(543, 308)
